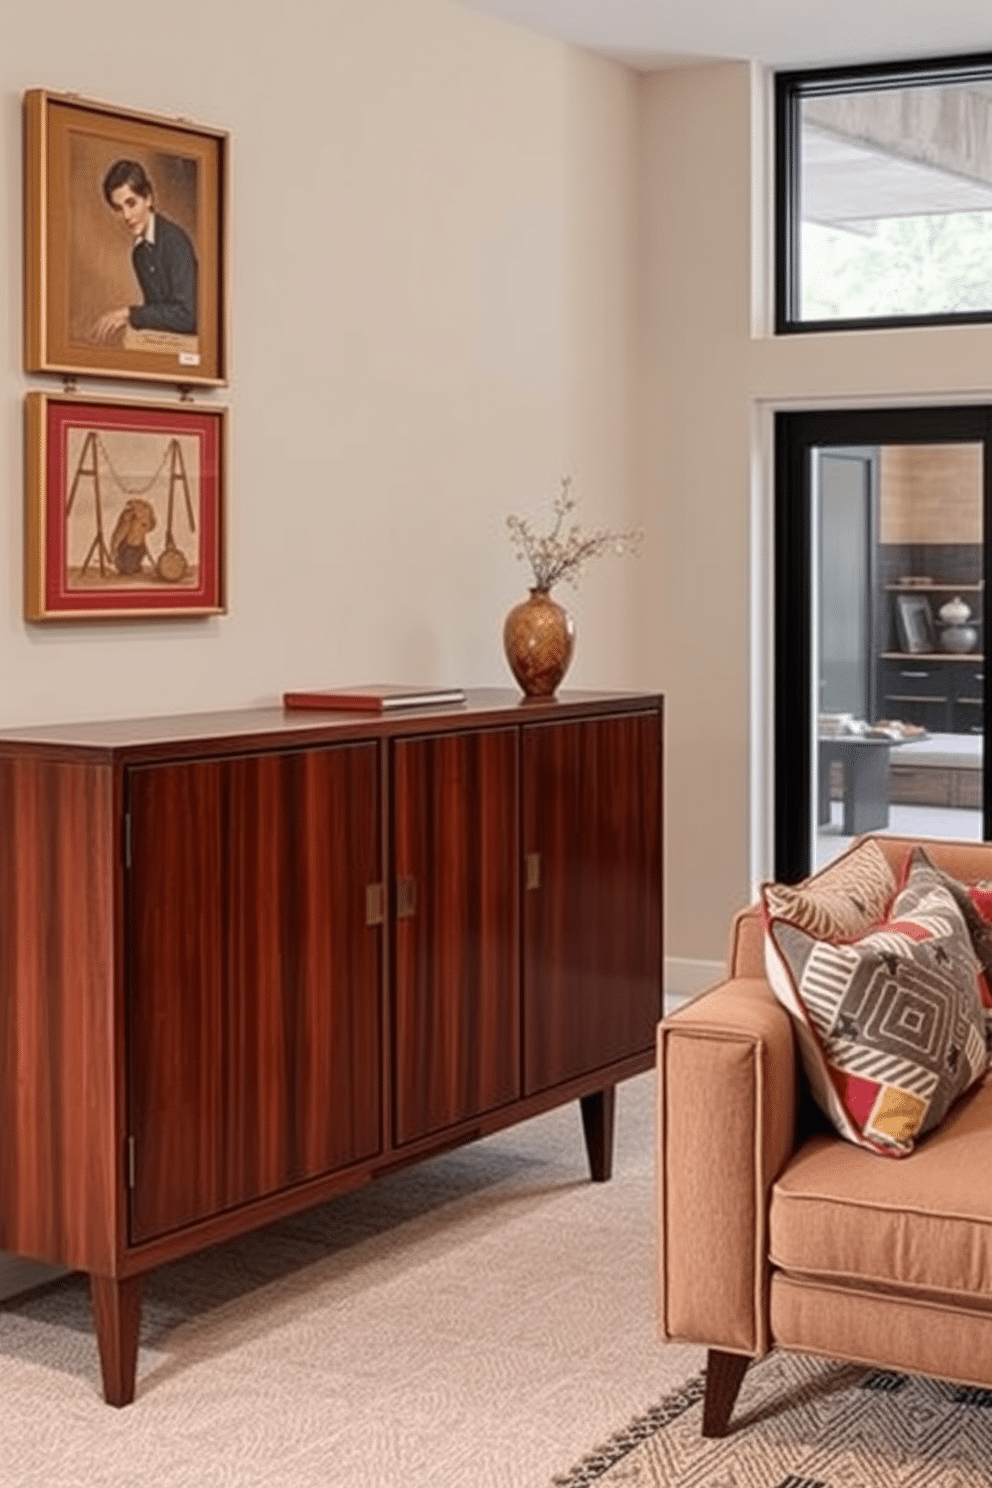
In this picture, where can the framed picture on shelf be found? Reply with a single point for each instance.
(125, 243)
(124, 508)
(915, 623)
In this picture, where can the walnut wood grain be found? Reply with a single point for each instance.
(215, 1017)
(60, 1124)
(117, 1319)
(592, 981)
(229, 1223)
(930, 493)
(456, 966)
(254, 1003)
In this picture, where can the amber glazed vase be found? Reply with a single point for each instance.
(539, 637)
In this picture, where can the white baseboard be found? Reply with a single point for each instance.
(17, 1275)
(685, 979)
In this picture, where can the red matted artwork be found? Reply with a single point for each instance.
(124, 509)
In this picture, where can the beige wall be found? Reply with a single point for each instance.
(433, 320)
(711, 378)
(432, 225)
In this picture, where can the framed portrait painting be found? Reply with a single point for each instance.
(125, 254)
(124, 509)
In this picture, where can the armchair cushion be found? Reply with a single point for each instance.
(920, 1228)
(890, 1024)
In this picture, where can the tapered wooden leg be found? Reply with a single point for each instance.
(117, 1315)
(597, 1125)
(724, 1376)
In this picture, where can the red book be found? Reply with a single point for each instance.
(374, 699)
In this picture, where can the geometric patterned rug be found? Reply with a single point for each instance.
(803, 1422)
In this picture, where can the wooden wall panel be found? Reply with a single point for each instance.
(931, 493)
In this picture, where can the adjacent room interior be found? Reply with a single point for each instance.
(900, 627)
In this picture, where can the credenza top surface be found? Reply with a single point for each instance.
(273, 727)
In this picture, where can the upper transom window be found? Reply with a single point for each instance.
(883, 195)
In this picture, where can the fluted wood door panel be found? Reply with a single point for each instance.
(60, 1172)
(456, 938)
(176, 994)
(592, 979)
(253, 977)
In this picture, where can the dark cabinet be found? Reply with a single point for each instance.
(939, 689)
(943, 694)
(249, 961)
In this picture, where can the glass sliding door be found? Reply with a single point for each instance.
(881, 521)
(844, 490)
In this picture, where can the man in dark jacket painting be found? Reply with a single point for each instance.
(163, 258)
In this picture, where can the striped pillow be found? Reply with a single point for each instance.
(843, 899)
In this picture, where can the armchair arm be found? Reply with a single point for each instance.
(746, 952)
(727, 1097)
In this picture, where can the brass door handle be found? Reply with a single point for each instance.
(374, 904)
(406, 898)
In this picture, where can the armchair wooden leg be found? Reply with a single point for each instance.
(724, 1376)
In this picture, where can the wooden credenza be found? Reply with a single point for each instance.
(249, 960)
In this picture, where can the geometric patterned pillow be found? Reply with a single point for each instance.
(848, 896)
(890, 1024)
(975, 903)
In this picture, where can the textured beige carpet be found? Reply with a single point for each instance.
(806, 1423)
(483, 1319)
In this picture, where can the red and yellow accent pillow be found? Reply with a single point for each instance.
(890, 1020)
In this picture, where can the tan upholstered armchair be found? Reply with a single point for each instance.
(775, 1232)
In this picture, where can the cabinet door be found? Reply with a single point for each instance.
(592, 899)
(254, 1038)
(456, 973)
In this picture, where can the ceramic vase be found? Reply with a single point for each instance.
(958, 638)
(955, 611)
(538, 637)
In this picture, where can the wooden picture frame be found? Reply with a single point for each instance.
(124, 508)
(915, 624)
(99, 298)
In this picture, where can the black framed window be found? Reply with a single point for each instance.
(883, 195)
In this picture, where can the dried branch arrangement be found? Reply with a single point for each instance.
(560, 554)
